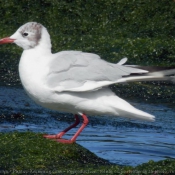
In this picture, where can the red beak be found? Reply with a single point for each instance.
(6, 40)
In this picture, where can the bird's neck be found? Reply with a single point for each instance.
(45, 42)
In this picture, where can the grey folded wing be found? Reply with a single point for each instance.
(79, 71)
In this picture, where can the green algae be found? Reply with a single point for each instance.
(30, 153)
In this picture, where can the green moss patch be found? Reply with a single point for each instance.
(30, 153)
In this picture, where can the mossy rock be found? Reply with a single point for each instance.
(162, 167)
(29, 153)
(26, 151)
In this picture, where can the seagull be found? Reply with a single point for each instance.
(74, 81)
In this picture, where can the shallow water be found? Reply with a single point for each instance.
(121, 141)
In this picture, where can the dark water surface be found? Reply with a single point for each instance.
(118, 140)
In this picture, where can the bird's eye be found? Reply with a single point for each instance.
(25, 34)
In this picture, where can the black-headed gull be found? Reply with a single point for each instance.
(73, 81)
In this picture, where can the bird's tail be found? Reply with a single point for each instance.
(154, 74)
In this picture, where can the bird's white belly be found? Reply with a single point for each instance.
(33, 72)
(34, 88)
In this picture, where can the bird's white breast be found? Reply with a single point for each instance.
(33, 69)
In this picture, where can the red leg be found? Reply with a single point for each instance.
(58, 136)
